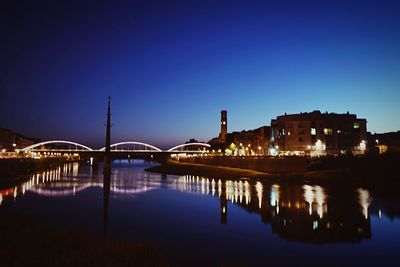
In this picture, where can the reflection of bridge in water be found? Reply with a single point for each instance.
(305, 213)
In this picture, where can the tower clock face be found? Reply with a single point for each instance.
(224, 122)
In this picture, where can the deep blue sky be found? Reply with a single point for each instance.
(171, 67)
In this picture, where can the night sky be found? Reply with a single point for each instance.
(171, 67)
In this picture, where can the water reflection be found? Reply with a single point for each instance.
(106, 194)
(299, 212)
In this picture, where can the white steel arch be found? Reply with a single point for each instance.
(55, 142)
(188, 144)
(133, 143)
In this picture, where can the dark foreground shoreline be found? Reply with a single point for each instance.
(27, 242)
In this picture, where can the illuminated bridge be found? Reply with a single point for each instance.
(128, 149)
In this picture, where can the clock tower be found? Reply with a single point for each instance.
(224, 126)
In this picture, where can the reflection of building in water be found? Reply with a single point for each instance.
(307, 215)
(300, 213)
(297, 212)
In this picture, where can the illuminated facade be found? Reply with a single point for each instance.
(251, 142)
(315, 133)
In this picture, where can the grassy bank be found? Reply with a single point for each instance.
(180, 168)
(13, 171)
(384, 167)
(367, 170)
(26, 242)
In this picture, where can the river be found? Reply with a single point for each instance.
(212, 222)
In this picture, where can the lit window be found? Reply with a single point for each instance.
(327, 131)
(313, 131)
(356, 125)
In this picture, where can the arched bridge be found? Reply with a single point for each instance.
(118, 150)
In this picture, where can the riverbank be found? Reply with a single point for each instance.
(27, 242)
(278, 166)
(14, 171)
(369, 170)
(182, 168)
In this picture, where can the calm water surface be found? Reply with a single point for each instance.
(208, 221)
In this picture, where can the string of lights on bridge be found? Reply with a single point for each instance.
(121, 146)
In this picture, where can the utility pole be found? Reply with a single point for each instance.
(107, 153)
(107, 171)
(108, 131)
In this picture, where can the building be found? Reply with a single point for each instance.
(250, 142)
(9, 141)
(384, 142)
(315, 133)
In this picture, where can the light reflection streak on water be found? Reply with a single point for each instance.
(247, 192)
(364, 199)
(274, 195)
(259, 190)
(315, 197)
